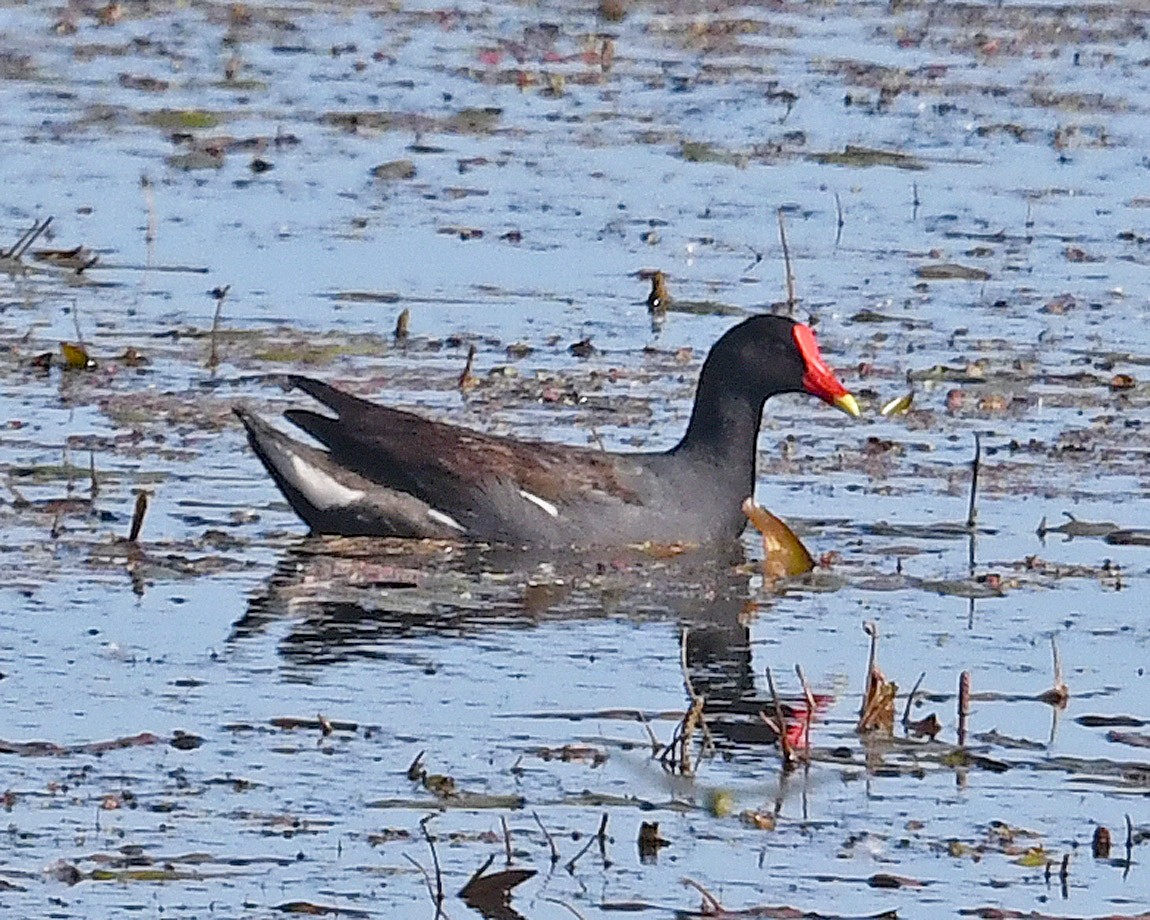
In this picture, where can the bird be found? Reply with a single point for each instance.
(387, 472)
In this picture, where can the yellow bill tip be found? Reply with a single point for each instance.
(847, 403)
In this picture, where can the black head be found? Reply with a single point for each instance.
(769, 354)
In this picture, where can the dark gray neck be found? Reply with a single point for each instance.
(724, 433)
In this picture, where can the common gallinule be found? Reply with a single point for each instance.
(387, 472)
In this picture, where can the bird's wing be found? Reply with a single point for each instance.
(463, 473)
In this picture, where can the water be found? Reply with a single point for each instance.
(521, 678)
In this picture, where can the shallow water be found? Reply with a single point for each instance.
(548, 174)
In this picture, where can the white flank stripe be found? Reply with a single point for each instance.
(321, 489)
(446, 519)
(540, 502)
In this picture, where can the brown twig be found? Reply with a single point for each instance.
(810, 698)
(94, 488)
(656, 745)
(76, 322)
(27, 238)
(698, 701)
(435, 862)
(693, 718)
(476, 876)
(150, 207)
(219, 293)
(548, 837)
(565, 904)
(467, 380)
(910, 699)
(601, 836)
(570, 867)
(871, 629)
(963, 705)
(711, 904)
(426, 880)
(1059, 694)
(138, 516)
(790, 275)
(972, 509)
(780, 724)
(506, 837)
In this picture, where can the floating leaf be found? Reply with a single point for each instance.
(759, 820)
(898, 406)
(951, 271)
(853, 155)
(394, 170)
(76, 357)
(1033, 858)
(783, 553)
(181, 119)
(720, 803)
(886, 880)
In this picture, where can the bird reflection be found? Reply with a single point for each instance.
(359, 599)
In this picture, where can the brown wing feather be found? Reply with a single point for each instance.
(448, 466)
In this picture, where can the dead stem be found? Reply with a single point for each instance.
(506, 838)
(693, 718)
(138, 516)
(810, 698)
(477, 875)
(839, 222)
(871, 629)
(877, 710)
(548, 837)
(150, 207)
(910, 699)
(27, 238)
(656, 744)
(698, 702)
(427, 881)
(402, 324)
(1059, 694)
(972, 509)
(467, 380)
(779, 724)
(76, 322)
(963, 705)
(711, 904)
(219, 294)
(565, 904)
(570, 867)
(790, 275)
(435, 862)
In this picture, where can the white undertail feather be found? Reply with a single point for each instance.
(540, 502)
(446, 519)
(322, 490)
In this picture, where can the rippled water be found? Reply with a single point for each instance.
(557, 154)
